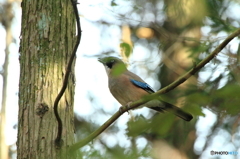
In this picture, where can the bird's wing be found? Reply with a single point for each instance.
(142, 85)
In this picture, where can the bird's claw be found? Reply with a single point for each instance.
(121, 109)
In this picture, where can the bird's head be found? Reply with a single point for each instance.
(113, 65)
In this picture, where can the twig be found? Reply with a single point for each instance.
(200, 65)
(58, 140)
(154, 95)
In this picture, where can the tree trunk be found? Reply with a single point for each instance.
(47, 40)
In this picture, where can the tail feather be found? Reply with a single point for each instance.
(173, 109)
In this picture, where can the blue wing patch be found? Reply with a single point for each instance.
(142, 85)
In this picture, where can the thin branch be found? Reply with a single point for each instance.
(154, 95)
(200, 65)
(58, 140)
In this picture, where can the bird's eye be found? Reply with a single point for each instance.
(110, 63)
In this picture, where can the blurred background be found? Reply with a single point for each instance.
(160, 40)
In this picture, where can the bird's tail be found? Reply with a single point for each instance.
(173, 109)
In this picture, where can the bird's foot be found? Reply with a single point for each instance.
(121, 109)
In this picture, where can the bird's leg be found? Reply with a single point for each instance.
(122, 107)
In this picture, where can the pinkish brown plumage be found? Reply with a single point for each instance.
(127, 87)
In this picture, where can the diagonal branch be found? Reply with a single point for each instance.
(58, 140)
(154, 95)
(200, 65)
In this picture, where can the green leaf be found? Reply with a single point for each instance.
(113, 3)
(137, 126)
(127, 49)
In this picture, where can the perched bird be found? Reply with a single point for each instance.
(127, 87)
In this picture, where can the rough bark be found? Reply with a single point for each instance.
(47, 39)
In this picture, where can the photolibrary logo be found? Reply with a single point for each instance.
(223, 152)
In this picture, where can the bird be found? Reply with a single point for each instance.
(127, 87)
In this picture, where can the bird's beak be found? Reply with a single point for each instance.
(101, 60)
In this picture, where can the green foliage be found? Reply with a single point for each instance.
(162, 124)
(126, 48)
(158, 127)
(138, 126)
(227, 99)
(113, 3)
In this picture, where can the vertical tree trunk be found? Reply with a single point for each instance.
(48, 36)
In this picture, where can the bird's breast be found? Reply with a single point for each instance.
(124, 91)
